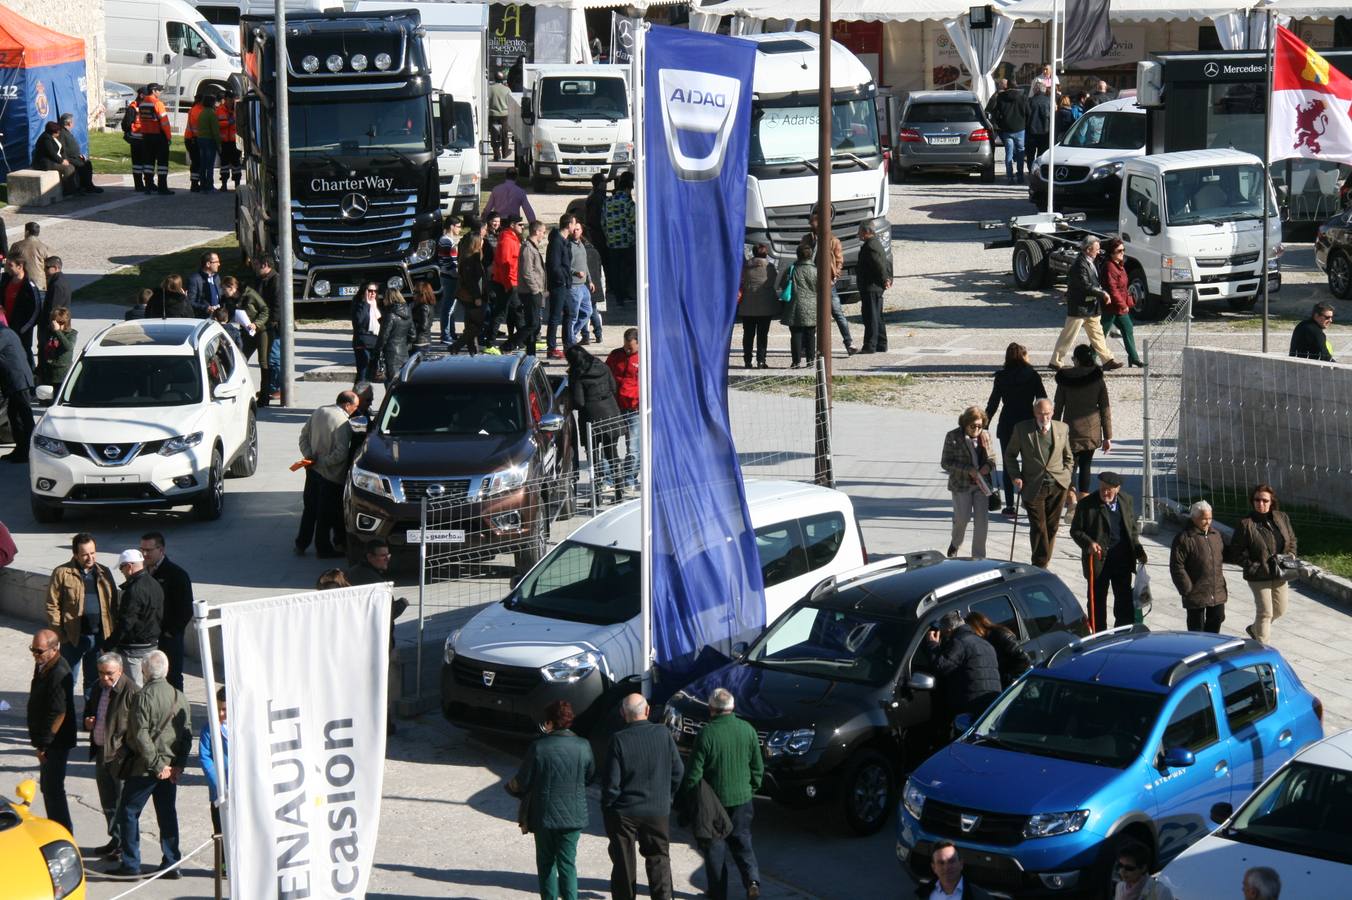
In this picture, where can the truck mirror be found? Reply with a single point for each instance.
(446, 113)
(527, 111)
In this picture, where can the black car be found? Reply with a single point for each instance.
(837, 687)
(1333, 253)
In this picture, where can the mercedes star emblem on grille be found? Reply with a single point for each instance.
(1062, 172)
(354, 206)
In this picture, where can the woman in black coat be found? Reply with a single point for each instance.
(171, 301)
(396, 333)
(1018, 386)
(1012, 658)
(366, 314)
(593, 388)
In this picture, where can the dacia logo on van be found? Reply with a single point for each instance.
(701, 103)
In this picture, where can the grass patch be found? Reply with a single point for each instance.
(879, 390)
(111, 154)
(1275, 322)
(121, 286)
(1322, 538)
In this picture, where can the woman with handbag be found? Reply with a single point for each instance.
(758, 304)
(1264, 546)
(968, 459)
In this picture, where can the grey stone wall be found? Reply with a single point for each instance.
(82, 19)
(1246, 418)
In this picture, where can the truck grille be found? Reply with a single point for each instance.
(941, 819)
(1239, 259)
(416, 488)
(506, 679)
(385, 231)
(789, 225)
(584, 148)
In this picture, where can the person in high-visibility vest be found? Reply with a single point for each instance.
(230, 155)
(152, 123)
(190, 144)
(132, 135)
(208, 141)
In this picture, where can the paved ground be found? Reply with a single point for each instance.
(447, 827)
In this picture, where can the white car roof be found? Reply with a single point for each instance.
(1121, 104)
(1334, 752)
(150, 337)
(1193, 159)
(769, 502)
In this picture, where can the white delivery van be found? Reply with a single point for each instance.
(571, 122)
(456, 46)
(224, 14)
(167, 42)
(1089, 157)
(570, 629)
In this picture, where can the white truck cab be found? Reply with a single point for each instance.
(570, 629)
(170, 43)
(571, 122)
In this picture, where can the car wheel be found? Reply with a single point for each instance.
(868, 792)
(988, 173)
(1029, 265)
(535, 546)
(1340, 276)
(247, 462)
(211, 504)
(45, 513)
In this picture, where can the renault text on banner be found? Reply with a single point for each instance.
(706, 580)
(306, 678)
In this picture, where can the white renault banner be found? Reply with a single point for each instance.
(305, 681)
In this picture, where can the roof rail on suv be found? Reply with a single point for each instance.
(904, 561)
(1080, 643)
(1005, 571)
(1182, 667)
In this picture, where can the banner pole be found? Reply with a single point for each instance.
(822, 436)
(638, 92)
(201, 611)
(1270, 36)
(422, 586)
(1051, 120)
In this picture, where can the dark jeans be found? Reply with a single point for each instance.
(110, 791)
(1208, 618)
(194, 162)
(206, 154)
(52, 781)
(1114, 571)
(368, 361)
(20, 411)
(556, 863)
(84, 656)
(136, 792)
(172, 646)
(1045, 507)
(498, 134)
(738, 844)
(622, 272)
(605, 437)
(504, 299)
(446, 308)
(802, 344)
(1084, 460)
(755, 330)
(558, 300)
(526, 330)
(1035, 144)
(652, 834)
(875, 332)
(321, 517)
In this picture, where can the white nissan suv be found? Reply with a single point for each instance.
(154, 413)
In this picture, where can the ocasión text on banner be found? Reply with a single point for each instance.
(696, 116)
(305, 683)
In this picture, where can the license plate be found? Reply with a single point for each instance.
(945, 141)
(346, 290)
(585, 170)
(113, 479)
(436, 536)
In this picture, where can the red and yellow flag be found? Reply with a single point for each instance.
(1310, 104)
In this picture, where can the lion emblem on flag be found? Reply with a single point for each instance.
(1311, 123)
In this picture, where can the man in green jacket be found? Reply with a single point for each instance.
(727, 754)
(553, 778)
(159, 737)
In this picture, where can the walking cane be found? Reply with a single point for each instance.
(1014, 536)
(1092, 622)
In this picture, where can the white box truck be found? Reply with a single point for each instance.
(571, 122)
(170, 43)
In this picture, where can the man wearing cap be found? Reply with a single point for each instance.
(499, 96)
(140, 614)
(1109, 536)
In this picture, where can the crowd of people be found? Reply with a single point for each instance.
(1024, 117)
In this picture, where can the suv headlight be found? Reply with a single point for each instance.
(63, 865)
(506, 479)
(1103, 171)
(181, 443)
(913, 799)
(1049, 824)
(448, 652)
(424, 251)
(1179, 268)
(571, 670)
(371, 482)
(51, 446)
(790, 743)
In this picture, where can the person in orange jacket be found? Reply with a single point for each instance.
(190, 144)
(230, 155)
(152, 123)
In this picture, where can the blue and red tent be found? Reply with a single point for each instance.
(42, 75)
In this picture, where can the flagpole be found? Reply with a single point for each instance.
(1267, 176)
(1051, 121)
(637, 61)
(822, 469)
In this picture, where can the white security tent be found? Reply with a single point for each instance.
(1134, 10)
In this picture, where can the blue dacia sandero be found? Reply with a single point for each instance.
(1121, 736)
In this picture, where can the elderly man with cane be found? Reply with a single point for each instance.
(1109, 537)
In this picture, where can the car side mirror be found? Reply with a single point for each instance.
(552, 423)
(359, 424)
(962, 722)
(739, 650)
(1179, 758)
(1221, 813)
(27, 790)
(206, 52)
(45, 393)
(225, 391)
(920, 681)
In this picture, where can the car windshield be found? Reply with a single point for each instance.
(1215, 194)
(839, 644)
(106, 382)
(583, 98)
(581, 583)
(784, 135)
(943, 114)
(481, 409)
(1088, 723)
(1306, 810)
(1107, 131)
(219, 39)
(369, 127)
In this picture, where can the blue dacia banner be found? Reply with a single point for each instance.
(706, 578)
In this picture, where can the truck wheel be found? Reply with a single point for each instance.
(1029, 265)
(45, 513)
(868, 792)
(1340, 276)
(1243, 304)
(539, 185)
(1149, 307)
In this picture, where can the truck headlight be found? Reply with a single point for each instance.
(545, 152)
(322, 287)
(51, 446)
(1106, 170)
(468, 186)
(622, 153)
(790, 743)
(571, 670)
(181, 443)
(421, 253)
(63, 865)
(448, 652)
(371, 482)
(506, 479)
(1178, 267)
(1050, 824)
(913, 799)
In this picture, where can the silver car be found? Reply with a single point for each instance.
(944, 130)
(116, 97)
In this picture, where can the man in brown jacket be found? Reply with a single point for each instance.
(1196, 565)
(1038, 459)
(81, 603)
(837, 254)
(105, 718)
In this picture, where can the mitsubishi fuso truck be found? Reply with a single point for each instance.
(571, 122)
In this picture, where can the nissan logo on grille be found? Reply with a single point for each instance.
(354, 206)
(436, 490)
(112, 451)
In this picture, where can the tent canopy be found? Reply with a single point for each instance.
(1134, 10)
(1307, 9)
(41, 75)
(28, 45)
(845, 10)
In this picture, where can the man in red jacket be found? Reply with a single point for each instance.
(623, 364)
(506, 275)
